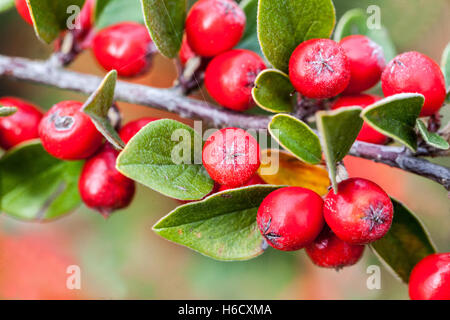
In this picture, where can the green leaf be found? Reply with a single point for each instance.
(396, 116)
(109, 12)
(249, 40)
(6, 5)
(355, 22)
(147, 158)
(222, 226)
(165, 22)
(445, 65)
(297, 137)
(7, 111)
(35, 186)
(338, 130)
(273, 91)
(406, 243)
(433, 139)
(51, 17)
(284, 24)
(98, 105)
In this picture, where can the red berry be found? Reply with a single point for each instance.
(367, 133)
(186, 52)
(230, 78)
(231, 156)
(256, 179)
(24, 11)
(86, 15)
(430, 278)
(125, 46)
(214, 26)
(328, 251)
(69, 134)
(413, 72)
(360, 213)
(131, 128)
(22, 125)
(291, 218)
(101, 186)
(319, 69)
(366, 61)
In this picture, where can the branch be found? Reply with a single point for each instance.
(168, 99)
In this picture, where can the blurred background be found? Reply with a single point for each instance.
(121, 258)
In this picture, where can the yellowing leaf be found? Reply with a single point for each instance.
(292, 172)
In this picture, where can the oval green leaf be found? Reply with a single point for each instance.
(50, 17)
(98, 105)
(273, 91)
(165, 22)
(147, 158)
(222, 226)
(297, 137)
(35, 186)
(406, 243)
(355, 22)
(7, 111)
(249, 40)
(396, 116)
(431, 138)
(284, 24)
(445, 65)
(109, 12)
(338, 131)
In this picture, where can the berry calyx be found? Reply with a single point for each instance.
(319, 69)
(256, 179)
(101, 186)
(360, 213)
(413, 72)
(290, 218)
(367, 133)
(69, 134)
(24, 11)
(328, 251)
(131, 128)
(230, 78)
(214, 26)
(186, 52)
(22, 125)
(125, 47)
(366, 60)
(231, 156)
(430, 278)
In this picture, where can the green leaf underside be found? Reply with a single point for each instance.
(295, 136)
(433, 139)
(338, 130)
(165, 21)
(98, 105)
(7, 111)
(249, 40)
(406, 243)
(396, 116)
(109, 12)
(273, 91)
(445, 65)
(50, 17)
(6, 5)
(147, 159)
(284, 24)
(222, 226)
(355, 22)
(36, 186)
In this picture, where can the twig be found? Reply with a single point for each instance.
(169, 100)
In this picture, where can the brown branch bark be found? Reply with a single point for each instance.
(168, 99)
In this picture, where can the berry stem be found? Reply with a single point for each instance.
(41, 72)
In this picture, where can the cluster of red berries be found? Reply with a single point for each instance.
(323, 69)
(69, 134)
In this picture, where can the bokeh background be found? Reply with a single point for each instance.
(121, 258)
